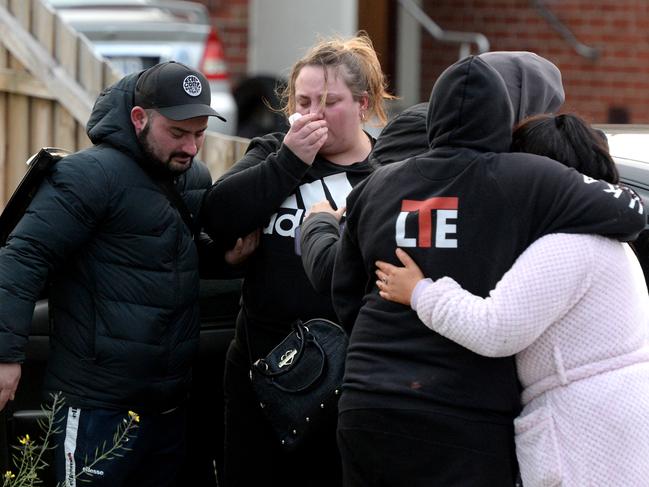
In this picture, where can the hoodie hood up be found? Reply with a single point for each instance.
(404, 136)
(469, 108)
(110, 120)
(533, 83)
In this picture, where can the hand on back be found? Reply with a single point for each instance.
(397, 283)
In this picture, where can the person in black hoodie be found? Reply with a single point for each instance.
(534, 87)
(417, 408)
(335, 88)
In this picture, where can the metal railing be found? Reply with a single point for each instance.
(580, 48)
(465, 39)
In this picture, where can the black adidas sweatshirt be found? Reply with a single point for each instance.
(271, 188)
(466, 209)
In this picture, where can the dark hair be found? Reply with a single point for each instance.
(568, 139)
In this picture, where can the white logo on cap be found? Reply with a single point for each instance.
(192, 85)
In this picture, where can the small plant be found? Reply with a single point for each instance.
(29, 459)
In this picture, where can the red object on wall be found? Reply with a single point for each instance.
(213, 64)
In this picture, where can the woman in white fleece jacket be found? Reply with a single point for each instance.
(575, 311)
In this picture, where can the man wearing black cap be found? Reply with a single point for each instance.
(106, 226)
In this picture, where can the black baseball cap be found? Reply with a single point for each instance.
(175, 91)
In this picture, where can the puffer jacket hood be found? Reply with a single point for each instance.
(470, 108)
(110, 120)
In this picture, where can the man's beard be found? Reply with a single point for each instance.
(152, 157)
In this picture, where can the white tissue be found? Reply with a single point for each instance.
(293, 118)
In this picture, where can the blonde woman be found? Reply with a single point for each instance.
(335, 88)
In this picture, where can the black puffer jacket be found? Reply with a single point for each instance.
(124, 298)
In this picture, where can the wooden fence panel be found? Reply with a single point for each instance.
(65, 52)
(90, 74)
(220, 152)
(4, 184)
(18, 110)
(111, 76)
(42, 110)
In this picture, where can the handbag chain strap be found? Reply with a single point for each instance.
(246, 329)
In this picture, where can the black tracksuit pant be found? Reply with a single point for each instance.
(397, 448)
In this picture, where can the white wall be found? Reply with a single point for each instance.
(282, 30)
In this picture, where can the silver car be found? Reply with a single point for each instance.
(137, 34)
(628, 146)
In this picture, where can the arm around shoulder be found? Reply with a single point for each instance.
(567, 201)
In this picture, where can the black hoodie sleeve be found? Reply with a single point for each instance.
(350, 280)
(244, 198)
(319, 237)
(551, 198)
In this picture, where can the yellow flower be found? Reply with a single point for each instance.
(134, 416)
(9, 475)
(24, 440)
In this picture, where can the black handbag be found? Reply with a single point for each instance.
(298, 383)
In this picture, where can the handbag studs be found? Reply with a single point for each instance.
(298, 383)
(294, 434)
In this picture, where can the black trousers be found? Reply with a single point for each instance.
(254, 456)
(407, 448)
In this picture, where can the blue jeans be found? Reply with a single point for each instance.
(151, 456)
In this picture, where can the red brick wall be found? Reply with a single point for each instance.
(230, 18)
(618, 28)
(619, 78)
